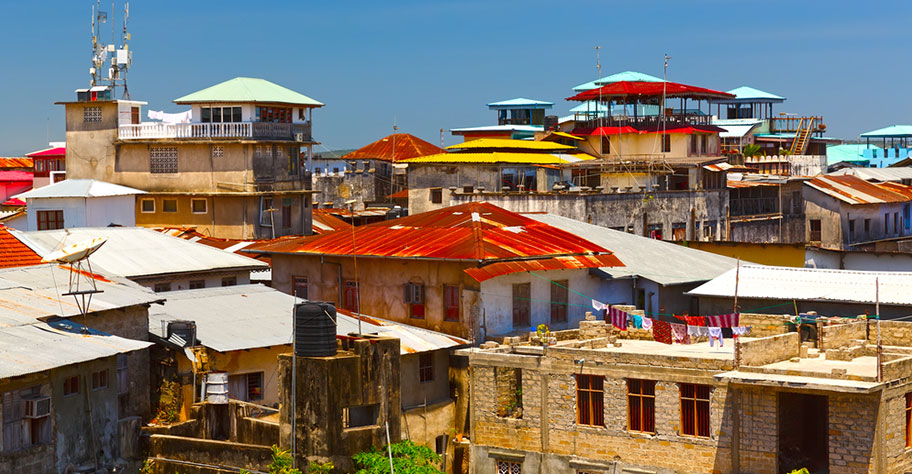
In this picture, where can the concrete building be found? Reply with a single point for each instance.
(517, 119)
(603, 400)
(154, 260)
(896, 146)
(235, 171)
(80, 203)
(49, 165)
(766, 209)
(472, 271)
(73, 397)
(845, 210)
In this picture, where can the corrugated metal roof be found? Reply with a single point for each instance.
(648, 89)
(472, 232)
(15, 162)
(407, 146)
(499, 143)
(876, 174)
(42, 346)
(135, 252)
(893, 131)
(30, 293)
(521, 102)
(324, 222)
(564, 135)
(854, 190)
(79, 188)
(500, 128)
(14, 253)
(810, 284)
(745, 94)
(736, 131)
(56, 151)
(493, 157)
(617, 77)
(248, 89)
(852, 152)
(252, 316)
(16, 176)
(662, 262)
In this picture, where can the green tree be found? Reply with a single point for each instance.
(408, 458)
(281, 463)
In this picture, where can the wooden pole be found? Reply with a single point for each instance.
(877, 315)
(735, 310)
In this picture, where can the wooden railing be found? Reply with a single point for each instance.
(792, 124)
(647, 122)
(191, 131)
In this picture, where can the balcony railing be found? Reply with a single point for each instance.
(790, 124)
(205, 131)
(642, 122)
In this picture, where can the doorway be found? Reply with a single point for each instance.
(803, 432)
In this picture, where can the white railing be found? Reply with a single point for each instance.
(153, 130)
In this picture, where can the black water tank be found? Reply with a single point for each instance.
(315, 329)
(551, 122)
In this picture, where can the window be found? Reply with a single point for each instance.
(71, 385)
(163, 159)
(169, 205)
(590, 408)
(273, 114)
(229, 281)
(162, 287)
(440, 445)
(220, 114)
(134, 115)
(508, 392)
(436, 195)
(693, 144)
(99, 380)
(814, 234)
(522, 304)
(197, 284)
(26, 420)
(414, 298)
(357, 416)
(450, 303)
(704, 144)
(286, 213)
(426, 367)
(218, 151)
(91, 114)
(867, 228)
(606, 145)
(299, 288)
(198, 206)
(909, 420)
(695, 410)
(560, 295)
(351, 296)
(468, 189)
(266, 211)
(50, 220)
(796, 202)
(886, 223)
(666, 143)
(508, 467)
(641, 405)
(895, 222)
(122, 374)
(294, 159)
(852, 229)
(255, 386)
(147, 206)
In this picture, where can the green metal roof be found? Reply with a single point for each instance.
(248, 89)
(893, 131)
(521, 102)
(749, 94)
(618, 77)
(851, 152)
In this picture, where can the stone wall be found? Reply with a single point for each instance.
(892, 333)
(211, 452)
(766, 350)
(837, 336)
(763, 325)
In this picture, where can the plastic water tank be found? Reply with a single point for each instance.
(315, 329)
(217, 387)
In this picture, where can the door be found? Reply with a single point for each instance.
(803, 432)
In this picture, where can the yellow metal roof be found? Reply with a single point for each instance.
(567, 135)
(495, 157)
(505, 143)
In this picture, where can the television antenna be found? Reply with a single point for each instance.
(110, 61)
(81, 282)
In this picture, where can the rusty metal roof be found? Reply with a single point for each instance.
(15, 162)
(471, 232)
(407, 146)
(324, 222)
(854, 190)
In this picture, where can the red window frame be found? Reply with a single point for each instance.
(414, 298)
(351, 302)
(451, 303)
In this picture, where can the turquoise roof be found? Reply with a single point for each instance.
(893, 131)
(248, 89)
(851, 152)
(521, 102)
(618, 77)
(745, 93)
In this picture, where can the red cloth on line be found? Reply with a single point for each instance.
(723, 320)
(661, 331)
(679, 331)
(695, 320)
(618, 318)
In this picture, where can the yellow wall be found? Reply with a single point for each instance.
(784, 255)
(631, 144)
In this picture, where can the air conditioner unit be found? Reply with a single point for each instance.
(37, 407)
(299, 137)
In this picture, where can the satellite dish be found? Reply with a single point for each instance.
(76, 252)
(344, 191)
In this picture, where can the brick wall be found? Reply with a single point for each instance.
(836, 336)
(766, 350)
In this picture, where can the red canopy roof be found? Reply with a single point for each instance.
(13, 202)
(13, 253)
(48, 153)
(16, 176)
(608, 131)
(472, 232)
(407, 146)
(650, 89)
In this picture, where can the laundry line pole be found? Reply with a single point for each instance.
(735, 311)
(877, 313)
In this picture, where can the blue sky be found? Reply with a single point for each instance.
(432, 65)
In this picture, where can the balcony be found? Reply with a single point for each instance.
(209, 131)
(647, 122)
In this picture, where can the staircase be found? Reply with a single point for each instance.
(802, 136)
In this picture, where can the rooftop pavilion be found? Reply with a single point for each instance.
(520, 111)
(896, 140)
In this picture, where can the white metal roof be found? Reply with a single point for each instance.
(135, 252)
(662, 262)
(43, 346)
(810, 284)
(878, 174)
(501, 128)
(79, 188)
(251, 316)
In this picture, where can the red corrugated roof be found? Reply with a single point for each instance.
(651, 89)
(407, 146)
(854, 190)
(475, 231)
(13, 202)
(14, 253)
(399, 194)
(16, 176)
(15, 162)
(48, 152)
(324, 222)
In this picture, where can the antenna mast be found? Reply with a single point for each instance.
(120, 57)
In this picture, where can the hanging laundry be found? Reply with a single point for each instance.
(741, 330)
(723, 320)
(661, 331)
(714, 334)
(697, 331)
(679, 331)
(647, 323)
(618, 318)
(599, 306)
(695, 320)
(637, 321)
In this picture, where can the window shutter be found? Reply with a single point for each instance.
(408, 292)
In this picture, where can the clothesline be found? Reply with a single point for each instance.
(681, 331)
